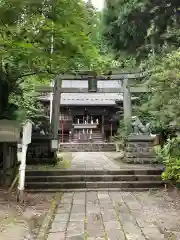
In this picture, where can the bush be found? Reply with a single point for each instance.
(170, 155)
(123, 131)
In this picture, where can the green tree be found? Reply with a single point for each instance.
(30, 30)
(26, 102)
(139, 27)
(164, 101)
(148, 33)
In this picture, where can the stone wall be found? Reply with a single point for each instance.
(140, 149)
(39, 151)
(9, 164)
(88, 147)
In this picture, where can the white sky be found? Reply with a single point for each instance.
(98, 4)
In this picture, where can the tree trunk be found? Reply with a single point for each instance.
(4, 91)
(4, 96)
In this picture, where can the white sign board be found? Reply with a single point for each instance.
(27, 132)
(54, 145)
(9, 131)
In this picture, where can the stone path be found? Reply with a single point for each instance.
(117, 216)
(92, 161)
(100, 161)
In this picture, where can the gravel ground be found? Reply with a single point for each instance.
(22, 222)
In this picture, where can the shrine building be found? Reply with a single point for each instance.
(93, 116)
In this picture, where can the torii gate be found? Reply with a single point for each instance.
(84, 75)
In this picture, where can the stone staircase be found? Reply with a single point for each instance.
(92, 180)
(75, 137)
(96, 137)
(65, 138)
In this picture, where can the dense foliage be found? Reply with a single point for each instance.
(139, 27)
(28, 106)
(148, 32)
(164, 101)
(42, 38)
(170, 155)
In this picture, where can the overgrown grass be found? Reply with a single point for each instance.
(63, 162)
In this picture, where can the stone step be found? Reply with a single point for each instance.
(93, 178)
(46, 173)
(100, 141)
(97, 135)
(93, 134)
(91, 190)
(141, 160)
(88, 147)
(93, 137)
(140, 154)
(94, 185)
(97, 141)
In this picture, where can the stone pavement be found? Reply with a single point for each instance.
(92, 161)
(101, 161)
(117, 216)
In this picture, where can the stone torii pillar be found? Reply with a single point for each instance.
(127, 105)
(55, 122)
